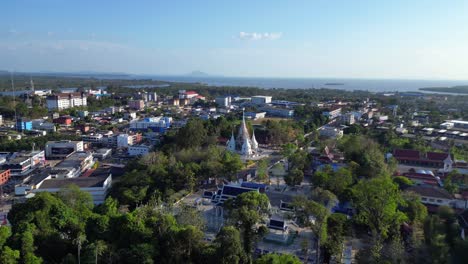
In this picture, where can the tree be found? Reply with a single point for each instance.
(336, 227)
(192, 135)
(9, 256)
(228, 246)
(376, 201)
(402, 182)
(413, 208)
(262, 169)
(190, 216)
(278, 259)
(294, 177)
(231, 164)
(313, 215)
(99, 248)
(79, 240)
(244, 212)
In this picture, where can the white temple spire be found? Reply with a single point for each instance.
(231, 145)
(254, 142)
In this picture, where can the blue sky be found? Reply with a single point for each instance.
(263, 38)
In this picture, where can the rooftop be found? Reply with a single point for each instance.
(430, 191)
(80, 182)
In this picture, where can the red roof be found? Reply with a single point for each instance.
(191, 92)
(87, 173)
(406, 153)
(436, 156)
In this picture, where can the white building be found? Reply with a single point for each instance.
(223, 101)
(260, 99)
(66, 100)
(124, 140)
(62, 149)
(92, 138)
(331, 132)
(96, 185)
(348, 119)
(138, 150)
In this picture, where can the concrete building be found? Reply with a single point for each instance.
(332, 112)
(156, 124)
(97, 184)
(136, 104)
(62, 149)
(347, 119)
(138, 150)
(23, 125)
(92, 138)
(223, 101)
(279, 112)
(64, 120)
(21, 164)
(261, 99)
(330, 132)
(4, 176)
(103, 153)
(66, 100)
(1, 120)
(183, 94)
(41, 124)
(254, 115)
(74, 164)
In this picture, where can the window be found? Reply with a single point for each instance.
(439, 201)
(424, 199)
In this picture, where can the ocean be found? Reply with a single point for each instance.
(371, 85)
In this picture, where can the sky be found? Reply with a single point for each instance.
(397, 39)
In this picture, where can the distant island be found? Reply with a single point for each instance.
(462, 89)
(334, 84)
(198, 73)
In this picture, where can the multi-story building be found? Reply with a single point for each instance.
(20, 164)
(97, 184)
(223, 101)
(62, 149)
(122, 140)
(348, 119)
(138, 150)
(281, 112)
(331, 132)
(41, 124)
(63, 120)
(261, 99)
(1, 120)
(23, 125)
(66, 100)
(332, 112)
(75, 164)
(156, 124)
(4, 176)
(92, 138)
(136, 104)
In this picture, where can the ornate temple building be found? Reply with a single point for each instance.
(245, 145)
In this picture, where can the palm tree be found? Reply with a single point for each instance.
(79, 240)
(99, 248)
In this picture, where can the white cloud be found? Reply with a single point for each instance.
(260, 36)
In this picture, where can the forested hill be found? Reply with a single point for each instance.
(463, 89)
